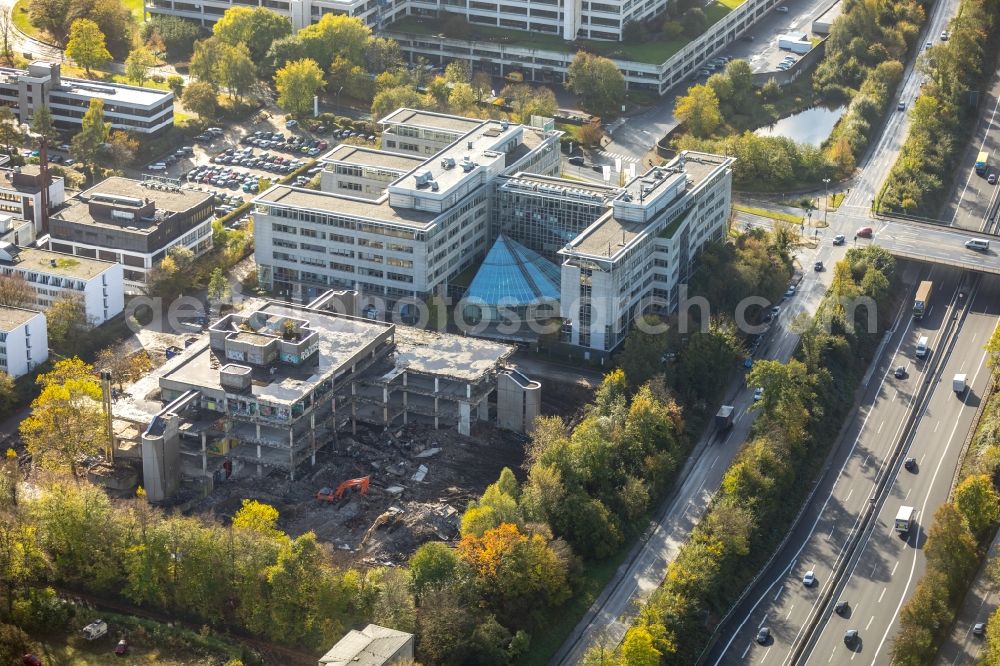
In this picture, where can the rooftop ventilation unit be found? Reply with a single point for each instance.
(504, 125)
(116, 199)
(423, 177)
(468, 165)
(434, 186)
(448, 163)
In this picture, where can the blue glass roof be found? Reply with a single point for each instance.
(511, 274)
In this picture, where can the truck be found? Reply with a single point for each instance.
(95, 630)
(724, 417)
(959, 383)
(923, 297)
(983, 163)
(904, 519)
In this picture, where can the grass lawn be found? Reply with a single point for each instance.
(653, 52)
(773, 214)
(20, 15)
(595, 576)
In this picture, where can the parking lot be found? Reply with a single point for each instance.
(232, 165)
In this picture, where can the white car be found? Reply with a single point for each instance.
(809, 579)
(758, 394)
(782, 9)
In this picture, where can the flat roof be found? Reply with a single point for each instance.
(171, 201)
(479, 146)
(59, 263)
(11, 318)
(608, 235)
(340, 339)
(598, 192)
(431, 120)
(331, 202)
(364, 156)
(113, 92)
(446, 354)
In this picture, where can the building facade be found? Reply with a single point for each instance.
(24, 341)
(21, 194)
(423, 228)
(53, 275)
(144, 111)
(634, 258)
(133, 223)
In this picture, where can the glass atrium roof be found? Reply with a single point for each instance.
(512, 275)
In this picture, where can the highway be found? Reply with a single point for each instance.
(780, 601)
(887, 568)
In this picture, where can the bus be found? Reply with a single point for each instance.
(981, 163)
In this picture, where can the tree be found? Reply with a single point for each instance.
(462, 100)
(120, 149)
(218, 286)
(527, 101)
(199, 97)
(15, 291)
(637, 648)
(68, 325)
(115, 21)
(282, 52)
(10, 131)
(65, 422)
(178, 35)
(458, 71)
(597, 83)
(977, 500)
(699, 110)
(993, 349)
(643, 351)
(208, 53)
(88, 143)
(138, 63)
(43, 125)
(6, 33)
(333, 35)
(255, 28)
(390, 99)
(590, 135)
(297, 83)
(694, 21)
(86, 45)
(433, 566)
(350, 77)
(8, 393)
(382, 54)
(123, 367)
(236, 71)
(951, 548)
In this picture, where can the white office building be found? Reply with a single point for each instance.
(53, 275)
(133, 223)
(24, 340)
(395, 225)
(144, 111)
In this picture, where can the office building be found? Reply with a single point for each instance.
(395, 225)
(21, 196)
(133, 223)
(633, 259)
(300, 13)
(24, 341)
(144, 111)
(54, 275)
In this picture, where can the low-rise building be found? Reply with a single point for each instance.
(372, 646)
(144, 111)
(21, 194)
(24, 340)
(133, 223)
(54, 275)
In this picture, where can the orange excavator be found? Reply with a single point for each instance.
(330, 495)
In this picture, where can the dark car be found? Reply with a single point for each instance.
(841, 608)
(763, 635)
(577, 160)
(818, 266)
(31, 660)
(900, 372)
(979, 628)
(122, 647)
(910, 464)
(851, 637)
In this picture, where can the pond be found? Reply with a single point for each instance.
(811, 126)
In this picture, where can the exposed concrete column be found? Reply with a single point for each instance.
(354, 409)
(204, 452)
(484, 408)
(406, 400)
(437, 387)
(312, 437)
(385, 406)
(464, 418)
(260, 467)
(258, 437)
(291, 454)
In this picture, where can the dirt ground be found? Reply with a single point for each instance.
(421, 480)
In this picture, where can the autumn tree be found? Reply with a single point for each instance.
(218, 286)
(123, 367)
(199, 97)
(297, 83)
(236, 71)
(43, 125)
(86, 45)
(120, 149)
(88, 143)
(10, 130)
(993, 349)
(977, 500)
(138, 63)
(66, 422)
(6, 34)
(68, 325)
(15, 291)
(597, 82)
(951, 548)
(255, 28)
(699, 110)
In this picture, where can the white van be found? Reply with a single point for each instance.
(159, 166)
(922, 346)
(977, 244)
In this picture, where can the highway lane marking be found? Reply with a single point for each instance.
(880, 428)
(895, 395)
(715, 461)
(968, 180)
(765, 655)
(874, 569)
(864, 463)
(780, 590)
(907, 493)
(744, 655)
(847, 459)
(790, 611)
(831, 655)
(762, 621)
(870, 620)
(894, 569)
(923, 508)
(849, 493)
(882, 595)
(937, 425)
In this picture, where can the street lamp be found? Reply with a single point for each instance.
(826, 208)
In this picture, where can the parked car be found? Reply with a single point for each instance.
(290, 123)
(839, 239)
(577, 160)
(864, 232)
(95, 630)
(979, 628)
(122, 648)
(790, 291)
(31, 660)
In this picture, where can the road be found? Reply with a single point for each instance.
(607, 620)
(974, 201)
(779, 601)
(963, 647)
(887, 568)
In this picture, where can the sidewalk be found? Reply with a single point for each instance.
(962, 646)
